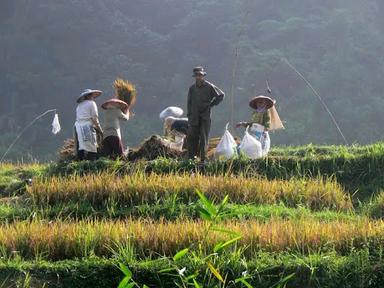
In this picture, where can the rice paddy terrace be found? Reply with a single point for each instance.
(303, 217)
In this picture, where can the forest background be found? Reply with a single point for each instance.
(51, 50)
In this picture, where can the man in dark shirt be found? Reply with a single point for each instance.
(202, 96)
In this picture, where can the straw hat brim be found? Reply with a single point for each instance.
(114, 103)
(85, 94)
(270, 102)
(199, 73)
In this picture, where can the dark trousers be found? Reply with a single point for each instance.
(113, 147)
(198, 136)
(86, 155)
(82, 154)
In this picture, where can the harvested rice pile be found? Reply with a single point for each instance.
(152, 148)
(67, 152)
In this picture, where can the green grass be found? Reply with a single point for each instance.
(168, 210)
(358, 270)
(323, 246)
(357, 168)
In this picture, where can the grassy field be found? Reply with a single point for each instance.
(303, 217)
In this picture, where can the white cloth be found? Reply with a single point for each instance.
(56, 128)
(171, 111)
(276, 123)
(85, 130)
(112, 119)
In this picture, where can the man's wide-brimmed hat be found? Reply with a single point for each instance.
(269, 101)
(199, 70)
(87, 92)
(114, 103)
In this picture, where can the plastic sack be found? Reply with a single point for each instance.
(176, 145)
(257, 130)
(227, 147)
(265, 143)
(171, 112)
(250, 146)
(56, 128)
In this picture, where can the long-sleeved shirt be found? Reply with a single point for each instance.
(87, 111)
(262, 118)
(112, 119)
(201, 98)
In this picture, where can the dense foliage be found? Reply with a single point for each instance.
(52, 50)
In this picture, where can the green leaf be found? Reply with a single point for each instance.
(124, 283)
(208, 204)
(225, 231)
(226, 244)
(193, 276)
(197, 285)
(180, 254)
(126, 271)
(283, 282)
(215, 272)
(204, 214)
(224, 202)
(245, 282)
(218, 246)
(167, 270)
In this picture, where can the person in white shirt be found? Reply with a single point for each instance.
(87, 125)
(115, 111)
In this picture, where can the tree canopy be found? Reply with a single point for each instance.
(51, 50)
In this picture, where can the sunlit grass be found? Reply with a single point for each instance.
(140, 189)
(67, 240)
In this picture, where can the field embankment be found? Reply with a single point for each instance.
(303, 217)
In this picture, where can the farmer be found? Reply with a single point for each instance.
(174, 126)
(87, 125)
(202, 96)
(115, 111)
(264, 118)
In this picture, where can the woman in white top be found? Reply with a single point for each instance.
(87, 124)
(115, 111)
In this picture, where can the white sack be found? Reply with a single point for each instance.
(227, 147)
(250, 146)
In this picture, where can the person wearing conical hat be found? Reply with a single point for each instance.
(202, 96)
(87, 125)
(115, 110)
(264, 119)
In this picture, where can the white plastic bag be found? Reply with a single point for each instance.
(227, 147)
(266, 143)
(171, 111)
(176, 145)
(258, 131)
(56, 128)
(250, 146)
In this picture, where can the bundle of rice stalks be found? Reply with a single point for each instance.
(152, 148)
(125, 91)
(67, 151)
